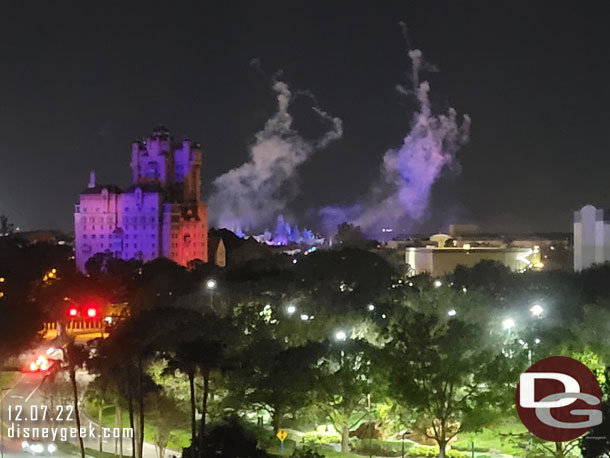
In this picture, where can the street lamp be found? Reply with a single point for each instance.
(371, 307)
(437, 283)
(452, 312)
(537, 310)
(291, 309)
(508, 324)
(211, 285)
(340, 336)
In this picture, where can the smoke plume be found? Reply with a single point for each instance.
(252, 195)
(401, 195)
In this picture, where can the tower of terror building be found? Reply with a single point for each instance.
(159, 215)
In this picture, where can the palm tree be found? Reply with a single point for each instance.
(183, 360)
(75, 357)
(214, 355)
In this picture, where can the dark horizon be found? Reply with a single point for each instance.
(80, 83)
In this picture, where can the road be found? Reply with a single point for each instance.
(25, 395)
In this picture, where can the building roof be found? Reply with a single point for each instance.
(112, 189)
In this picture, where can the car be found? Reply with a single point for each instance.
(40, 364)
(38, 447)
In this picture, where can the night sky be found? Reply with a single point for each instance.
(80, 81)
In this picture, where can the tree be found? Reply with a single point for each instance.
(349, 235)
(165, 415)
(6, 227)
(278, 379)
(184, 360)
(447, 373)
(229, 439)
(345, 385)
(215, 347)
(75, 357)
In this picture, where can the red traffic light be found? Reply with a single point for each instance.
(73, 312)
(91, 312)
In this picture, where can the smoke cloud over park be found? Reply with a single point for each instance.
(401, 194)
(251, 196)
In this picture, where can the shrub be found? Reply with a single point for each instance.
(230, 439)
(318, 438)
(456, 454)
(306, 452)
(378, 447)
(421, 451)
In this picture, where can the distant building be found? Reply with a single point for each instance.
(217, 253)
(591, 237)
(457, 230)
(442, 261)
(159, 215)
(441, 254)
(50, 237)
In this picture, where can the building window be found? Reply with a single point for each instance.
(93, 236)
(152, 171)
(102, 236)
(84, 236)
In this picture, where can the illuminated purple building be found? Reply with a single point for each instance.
(159, 215)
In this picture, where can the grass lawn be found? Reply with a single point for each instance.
(8, 377)
(179, 438)
(493, 439)
(331, 453)
(72, 449)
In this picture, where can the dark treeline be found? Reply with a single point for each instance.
(338, 337)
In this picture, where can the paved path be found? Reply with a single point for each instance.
(25, 396)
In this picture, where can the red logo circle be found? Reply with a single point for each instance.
(545, 406)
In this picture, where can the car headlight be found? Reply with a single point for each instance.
(51, 448)
(25, 444)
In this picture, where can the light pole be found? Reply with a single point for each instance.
(508, 324)
(341, 336)
(402, 448)
(368, 398)
(211, 286)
